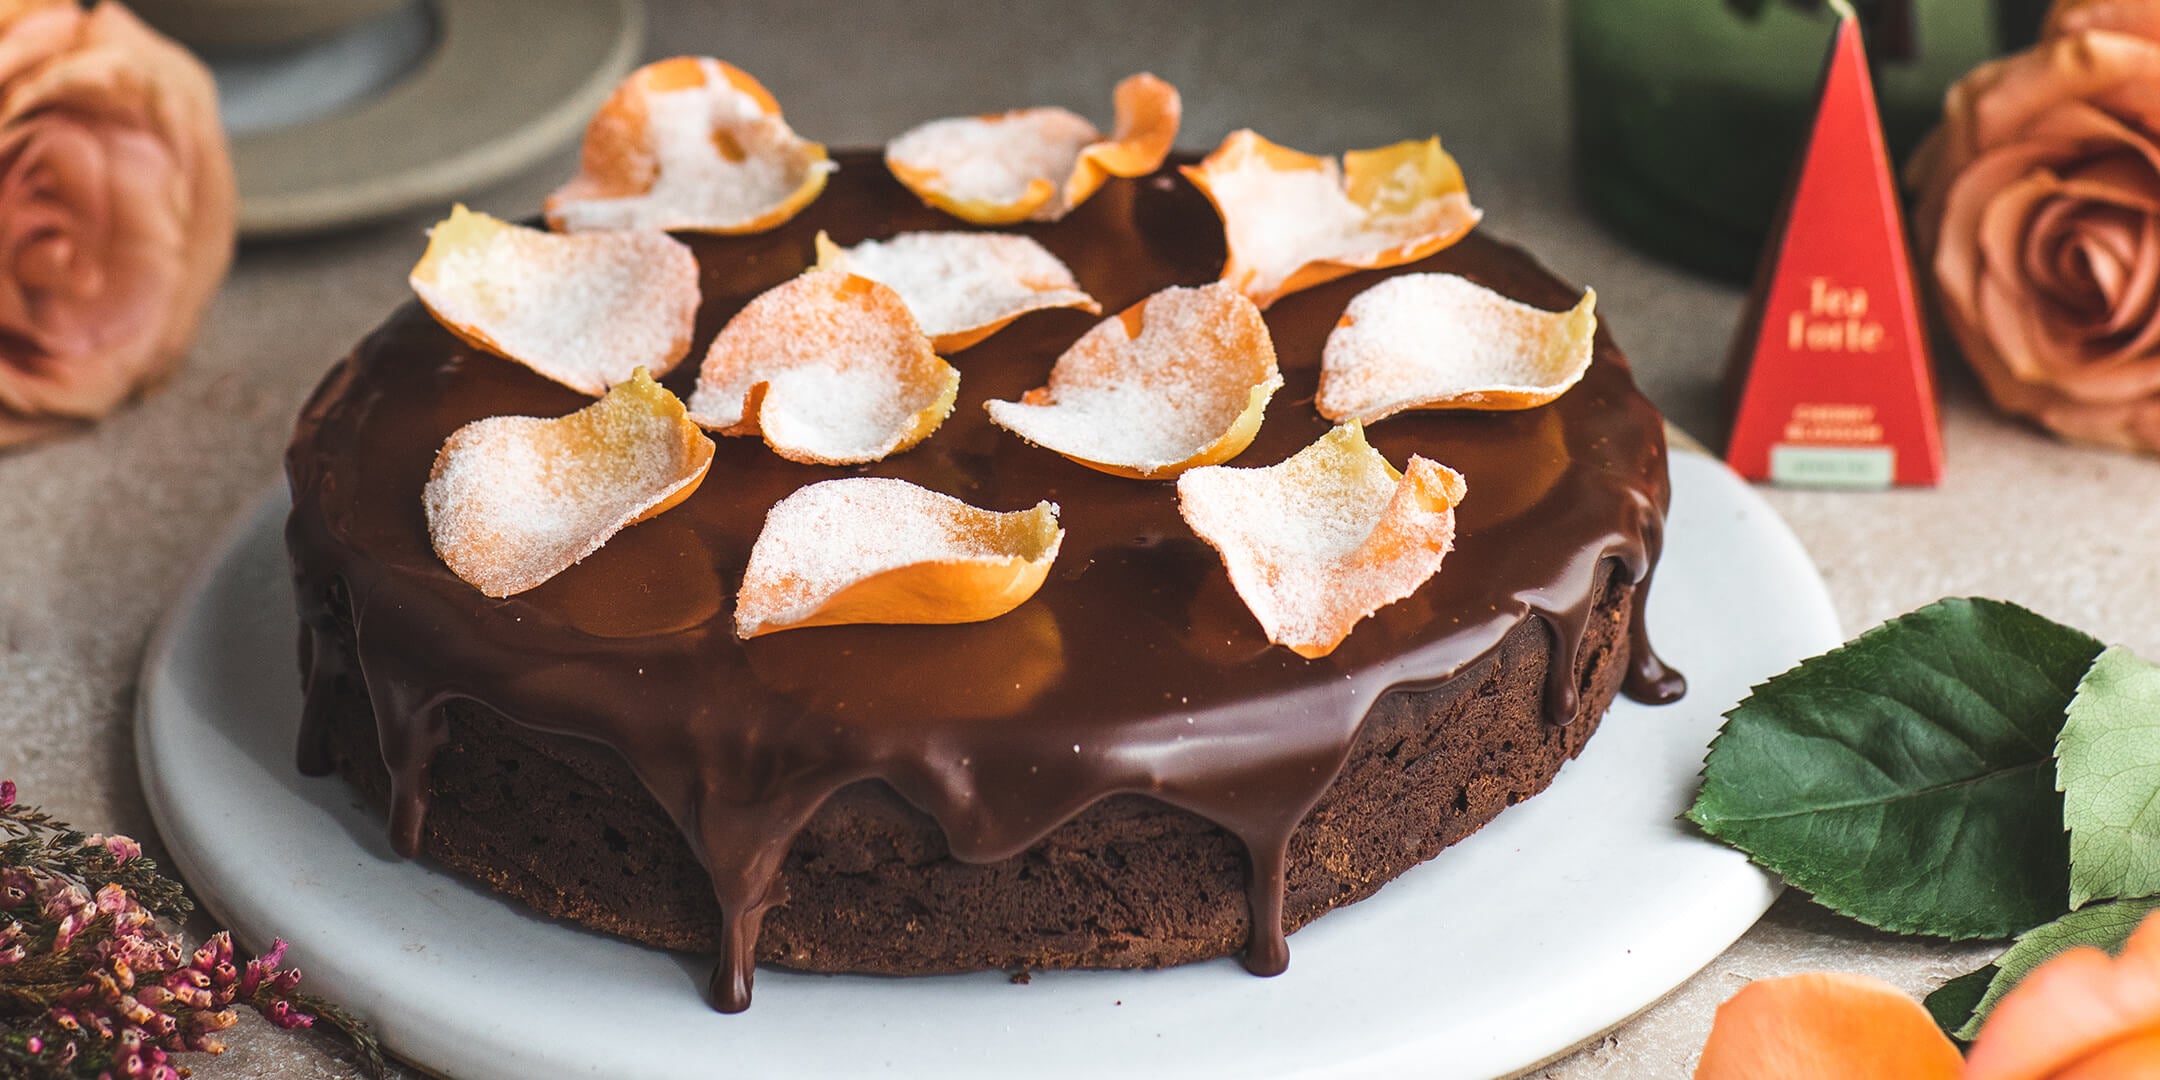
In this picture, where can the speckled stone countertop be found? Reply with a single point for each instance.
(98, 530)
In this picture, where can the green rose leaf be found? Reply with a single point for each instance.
(1907, 778)
(2108, 769)
(1954, 1002)
(2103, 926)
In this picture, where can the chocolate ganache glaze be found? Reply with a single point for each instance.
(1135, 669)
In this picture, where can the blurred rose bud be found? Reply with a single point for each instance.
(116, 210)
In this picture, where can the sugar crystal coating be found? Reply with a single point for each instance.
(1034, 164)
(1181, 379)
(1317, 543)
(875, 549)
(830, 368)
(583, 310)
(962, 286)
(694, 144)
(1438, 341)
(1293, 220)
(514, 500)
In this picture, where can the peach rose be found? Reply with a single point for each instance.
(116, 210)
(2039, 215)
(2082, 1015)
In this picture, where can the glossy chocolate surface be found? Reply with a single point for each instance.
(1136, 668)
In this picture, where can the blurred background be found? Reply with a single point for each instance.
(1593, 131)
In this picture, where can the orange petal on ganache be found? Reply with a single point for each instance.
(869, 549)
(690, 144)
(1438, 341)
(1293, 220)
(1034, 164)
(515, 500)
(1321, 541)
(962, 286)
(830, 368)
(583, 310)
(1180, 380)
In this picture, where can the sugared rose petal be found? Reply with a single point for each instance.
(1178, 380)
(1819, 1025)
(871, 549)
(830, 368)
(1294, 220)
(1148, 112)
(516, 500)
(583, 310)
(692, 144)
(1034, 164)
(1321, 541)
(961, 286)
(1438, 341)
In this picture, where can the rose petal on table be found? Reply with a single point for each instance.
(1439, 341)
(1317, 543)
(1820, 1025)
(584, 310)
(962, 286)
(1034, 164)
(2074, 1014)
(1293, 220)
(693, 144)
(1179, 380)
(871, 549)
(830, 368)
(515, 500)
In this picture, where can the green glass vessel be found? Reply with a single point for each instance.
(1689, 113)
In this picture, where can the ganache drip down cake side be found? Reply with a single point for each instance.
(1120, 772)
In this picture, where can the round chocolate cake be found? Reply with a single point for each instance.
(1122, 772)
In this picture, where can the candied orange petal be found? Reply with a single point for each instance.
(2077, 1005)
(870, 549)
(1179, 380)
(962, 286)
(830, 368)
(1438, 341)
(515, 500)
(1814, 1026)
(992, 170)
(1148, 111)
(1317, 543)
(692, 144)
(582, 310)
(1294, 220)
(1034, 164)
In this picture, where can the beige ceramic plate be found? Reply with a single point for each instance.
(507, 82)
(1567, 914)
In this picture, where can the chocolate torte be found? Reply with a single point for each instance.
(1121, 773)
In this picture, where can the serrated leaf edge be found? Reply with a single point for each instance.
(1710, 826)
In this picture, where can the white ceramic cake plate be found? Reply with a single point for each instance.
(1568, 914)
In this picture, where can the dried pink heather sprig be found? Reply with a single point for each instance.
(119, 847)
(14, 944)
(139, 996)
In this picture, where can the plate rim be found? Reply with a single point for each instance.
(489, 156)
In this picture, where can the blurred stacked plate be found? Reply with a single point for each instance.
(346, 111)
